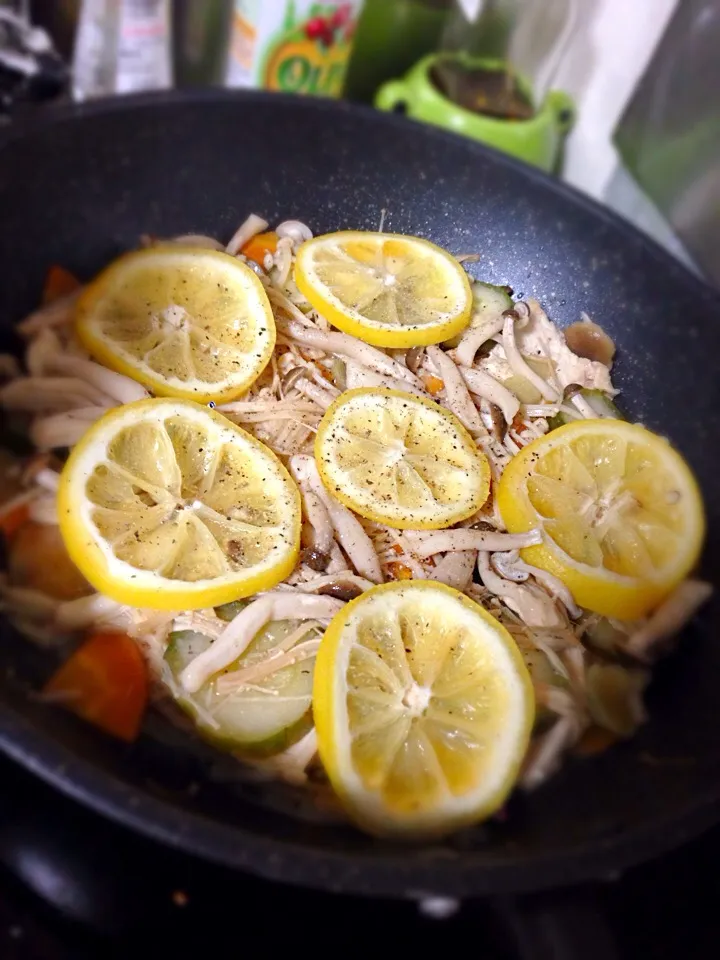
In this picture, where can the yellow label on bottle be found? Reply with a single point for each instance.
(300, 46)
(302, 66)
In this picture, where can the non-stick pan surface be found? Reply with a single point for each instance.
(83, 183)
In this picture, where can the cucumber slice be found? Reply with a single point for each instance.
(489, 299)
(262, 718)
(228, 611)
(599, 401)
(603, 405)
(489, 302)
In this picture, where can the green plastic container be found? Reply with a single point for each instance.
(537, 141)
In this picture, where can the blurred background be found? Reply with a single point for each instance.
(617, 97)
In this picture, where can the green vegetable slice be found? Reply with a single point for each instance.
(489, 303)
(228, 611)
(599, 401)
(272, 709)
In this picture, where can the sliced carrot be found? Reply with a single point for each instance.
(11, 522)
(262, 243)
(399, 571)
(59, 282)
(38, 559)
(434, 385)
(105, 682)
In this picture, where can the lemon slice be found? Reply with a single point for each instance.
(423, 709)
(401, 460)
(167, 504)
(191, 323)
(385, 288)
(620, 511)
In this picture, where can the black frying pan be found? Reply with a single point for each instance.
(82, 184)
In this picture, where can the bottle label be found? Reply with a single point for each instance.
(299, 46)
(143, 55)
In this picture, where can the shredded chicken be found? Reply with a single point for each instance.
(519, 365)
(283, 656)
(542, 337)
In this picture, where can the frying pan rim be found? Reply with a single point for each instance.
(55, 114)
(436, 872)
(410, 874)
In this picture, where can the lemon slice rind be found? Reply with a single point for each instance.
(598, 587)
(443, 295)
(450, 474)
(508, 696)
(237, 368)
(129, 584)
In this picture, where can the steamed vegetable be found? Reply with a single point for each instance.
(104, 682)
(489, 303)
(228, 611)
(38, 560)
(260, 245)
(599, 401)
(268, 712)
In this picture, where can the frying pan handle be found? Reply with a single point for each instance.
(559, 925)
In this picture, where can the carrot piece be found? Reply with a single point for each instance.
(434, 385)
(399, 571)
(262, 243)
(104, 682)
(11, 522)
(38, 560)
(59, 282)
